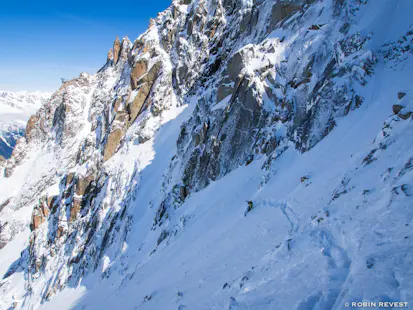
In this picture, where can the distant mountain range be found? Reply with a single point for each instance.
(15, 110)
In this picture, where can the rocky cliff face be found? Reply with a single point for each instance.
(213, 87)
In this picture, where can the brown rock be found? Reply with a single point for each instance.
(397, 108)
(38, 263)
(282, 9)
(116, 104)
(60, 231)
(53, 204)
(145, 83)
(315, 27)
(75, 209)
(136, 105)
(152, 74)
(231, 75)
(140, 69)
(45, 209)
(82, 184)
(110, 55)
(67, 193)
(116, 50)
(50, 200)
(183, 192)
(405, 116)
(122, 117)
(3, 205)
(112, 143)
(8, 171)
(69, 178)
(146, 49)
(125, 48)
(407, 189)
(138, 44)
(400, 95)
(213, 30)
(31, 125)
(37, 219)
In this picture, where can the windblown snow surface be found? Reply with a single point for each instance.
(331, 223)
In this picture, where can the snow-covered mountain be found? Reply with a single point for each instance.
(253, 154)
(15, 110)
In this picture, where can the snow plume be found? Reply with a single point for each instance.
(237, 155)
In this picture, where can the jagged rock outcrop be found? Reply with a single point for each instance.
(139, 70)
(110, 55)
(403, 110)
(112, 143)
(39, 215)
(143, 84)
(19, 152)
(283, 9)
(116, 50)
(119, 51)
(30, 127)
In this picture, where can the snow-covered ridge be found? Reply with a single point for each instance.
(237, 155)
(24, 103)
(23, 99)
(18, 106)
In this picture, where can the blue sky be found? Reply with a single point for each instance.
(45, 40)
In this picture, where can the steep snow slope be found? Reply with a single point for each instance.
(15, 110)
(238, 155)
